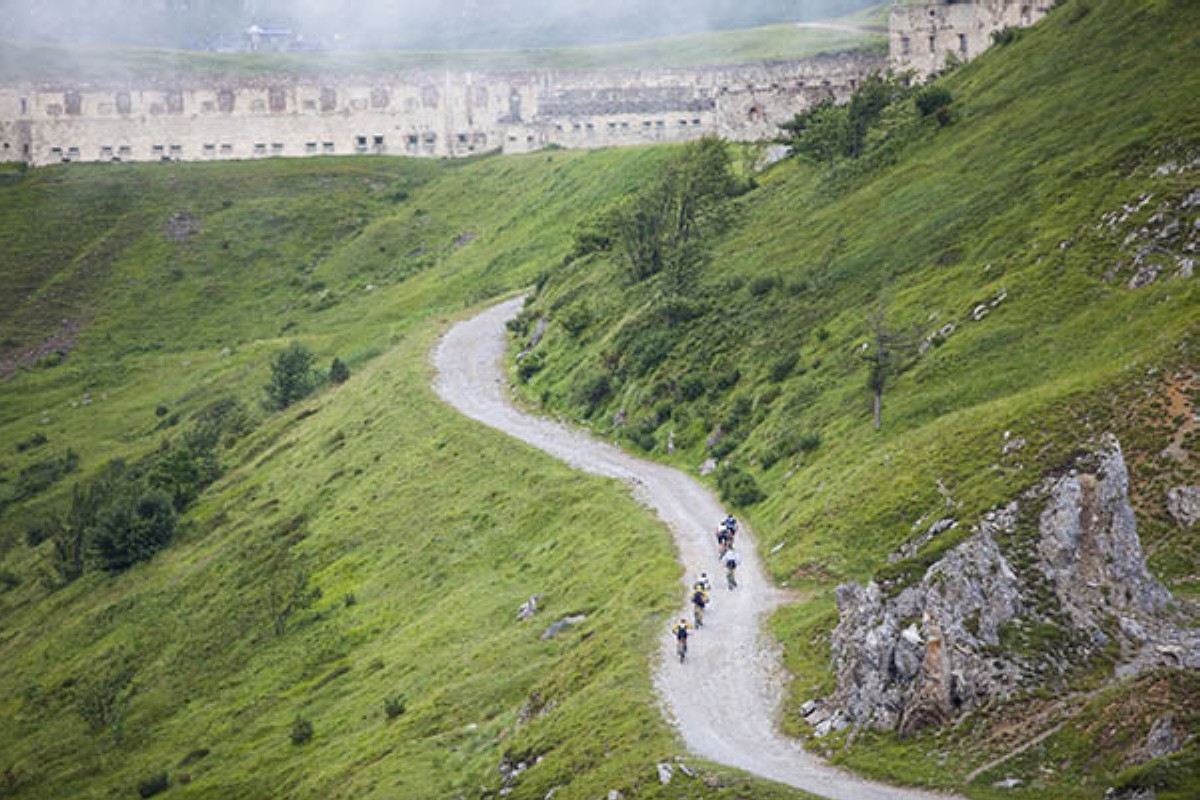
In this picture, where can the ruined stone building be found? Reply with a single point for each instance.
(447, 113)
(443, 113)
(923, 36)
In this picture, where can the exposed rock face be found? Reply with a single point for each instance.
(1183, 503)
(976, 627)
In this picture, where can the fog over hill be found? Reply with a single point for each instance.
(474, 24)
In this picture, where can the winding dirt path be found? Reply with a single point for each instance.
(724, 699)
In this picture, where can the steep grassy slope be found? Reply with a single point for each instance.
(359, 563)
(1013, 231)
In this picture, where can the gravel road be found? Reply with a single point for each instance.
(724, 700)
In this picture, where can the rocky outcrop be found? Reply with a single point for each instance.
(1042, 586)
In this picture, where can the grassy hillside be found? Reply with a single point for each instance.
(1006, 239)
(37, 62)
(359, 561)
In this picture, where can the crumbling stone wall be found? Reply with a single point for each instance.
(921, 37)
(420, 113)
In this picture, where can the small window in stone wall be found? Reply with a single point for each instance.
(73, 103)
(106, 152)
(260, 149)
(73, 153)
(933, 43)
(24, 105)
(157, 150)
(410, 143)
(310, 105)
(379, 97)
(377, 143)
(210, 149)
(54, 109)
(278, 99)
(125, 151)
(327, 147)
(905, 45)
(225, 101)
(176, 151)
(208, 107)
(226, 149)
(174, 102)
(310, 147)
(360, 144)
(276, 148)
(696, 122)
(328, 98)
(56, 152)
(962, 43)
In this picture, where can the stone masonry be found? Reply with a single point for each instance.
(922, 36)
(419, 113)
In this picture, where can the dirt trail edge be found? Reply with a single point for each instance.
(725, 698)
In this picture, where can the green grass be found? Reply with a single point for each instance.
(1049, 134)
(178, 283)
(780, 42)
(423, 532)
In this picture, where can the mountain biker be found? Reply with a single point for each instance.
(730, 524)
(680, 632)
(731, 560)
(724, 541)
(699, 601)
(703, 582)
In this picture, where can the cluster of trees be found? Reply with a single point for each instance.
(293, 377)
(661, 229)
(829, 131)
(129, 512)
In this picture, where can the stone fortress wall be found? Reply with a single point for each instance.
(923, 36)
(457, 113)
(442, 113)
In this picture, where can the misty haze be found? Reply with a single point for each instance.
(454, 24)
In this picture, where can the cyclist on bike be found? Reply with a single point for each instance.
(731, 560)
(699, 601)
(724, 541)
(703, 582)
(680, 632)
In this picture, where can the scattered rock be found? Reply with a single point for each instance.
(714, 438)
(1161, 741)
(529, 608)
(465, 239)
(558, 627)
(618, 419)
(708, 467)
(665, 774)
(670, 442)
(1007, 783)
(979, 313)
(180, 227)
(615, 795)
(1183, 504)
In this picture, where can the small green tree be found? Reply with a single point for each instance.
(887, 354)
(338, 372)
(932, 99)
(291, 375)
